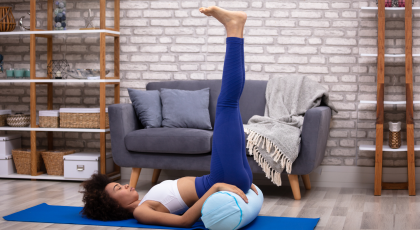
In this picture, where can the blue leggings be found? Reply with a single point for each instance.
(229, 162)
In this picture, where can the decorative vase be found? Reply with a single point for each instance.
(394, 141)
(7, 21)
(60, 15)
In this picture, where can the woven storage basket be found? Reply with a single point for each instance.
(49, 119)
(22, 159)
(81, 120)
(49, 122)
(7, 21)
(54, 161)
(19, 120)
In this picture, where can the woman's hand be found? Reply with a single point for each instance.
(231, 188)
(254, 188)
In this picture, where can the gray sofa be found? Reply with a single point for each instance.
(190, 149)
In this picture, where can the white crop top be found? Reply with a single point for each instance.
(167, 194)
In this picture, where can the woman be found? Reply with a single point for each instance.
(229, 171)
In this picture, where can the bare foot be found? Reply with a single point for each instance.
(234, 21)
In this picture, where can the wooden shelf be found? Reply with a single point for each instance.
(386, 55)
(48, 34)
(389, 11)
(47, 177)
(53, 32)
(407, 12)
(389, 102)
(5, 80)
(386, 148)
(8, 128)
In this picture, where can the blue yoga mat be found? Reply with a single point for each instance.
(45, 213)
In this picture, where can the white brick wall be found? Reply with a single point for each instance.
(170, 40)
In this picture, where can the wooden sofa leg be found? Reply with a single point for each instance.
(155, 176)
(294, 183)
(306, 181)
(135, 173)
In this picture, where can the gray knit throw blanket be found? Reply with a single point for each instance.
(274, 139)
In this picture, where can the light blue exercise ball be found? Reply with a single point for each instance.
(227, 210)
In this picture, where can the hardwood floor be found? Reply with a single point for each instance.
(338, 208)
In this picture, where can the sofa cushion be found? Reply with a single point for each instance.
(185, 108)
(148, 107)
(169, 140)
(252, 101)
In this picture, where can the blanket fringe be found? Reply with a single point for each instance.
(253, 141)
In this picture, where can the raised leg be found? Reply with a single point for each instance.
(294, 183)
(155, 176)
(244, 156)
(135, 173)
(228, 147)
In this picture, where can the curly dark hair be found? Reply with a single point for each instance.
(98, 204)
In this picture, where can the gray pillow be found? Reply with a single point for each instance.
(185, 108)
(147, 106)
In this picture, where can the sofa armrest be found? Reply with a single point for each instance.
(315, 131)
(122, 120)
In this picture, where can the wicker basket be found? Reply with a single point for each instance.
(54, 161)
(22, 159)
(81, 120)
(19, 120)
(7, 21)
(49, 122)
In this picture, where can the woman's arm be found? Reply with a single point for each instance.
(147, 215)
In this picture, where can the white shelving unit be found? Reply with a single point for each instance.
(404, 14)
(52, 32)
(11, 80)
(48, 34)
(45, 177)
(386, 148)
(389, 11)
(386, 55)
(389, 102)
(8, 128)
